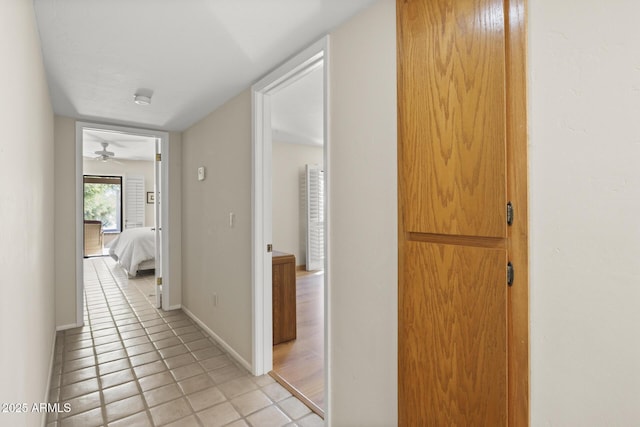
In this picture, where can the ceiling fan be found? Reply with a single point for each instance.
(104, 155)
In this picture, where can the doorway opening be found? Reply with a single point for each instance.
(119, 178)
(268, 273)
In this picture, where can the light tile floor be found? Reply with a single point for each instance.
(133, 365)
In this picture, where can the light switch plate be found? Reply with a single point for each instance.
(201, 173)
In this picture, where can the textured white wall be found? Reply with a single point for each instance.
(363, 270)
(215, 257)
(289, 215)
(584, 95)
(27, 307)
(175, 218)
(65, 214)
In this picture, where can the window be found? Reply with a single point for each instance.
(103, 201)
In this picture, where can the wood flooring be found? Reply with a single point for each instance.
(298, 365)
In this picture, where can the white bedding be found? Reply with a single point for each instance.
(133, 247)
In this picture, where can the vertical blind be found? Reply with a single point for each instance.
(134, 201)
(315, 217)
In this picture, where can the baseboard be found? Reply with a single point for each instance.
(175, 307)
(69, 326)
(52, 359)
(219, 340)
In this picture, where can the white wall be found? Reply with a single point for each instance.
(288, 198)
(215, 257)
(363, 245)
(65, 214)
(175, 218)
(27, 309)
(584, 95)
(127, 168)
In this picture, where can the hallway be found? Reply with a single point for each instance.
(134, 365)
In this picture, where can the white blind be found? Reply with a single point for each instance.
(134, 202)
(315, 217)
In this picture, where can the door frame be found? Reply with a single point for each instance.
(164, 171)
(261, 201)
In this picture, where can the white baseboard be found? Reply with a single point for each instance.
(69, 326)
(175, 307)
(219, 340)
(52, 359)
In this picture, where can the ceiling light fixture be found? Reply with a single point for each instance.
(141, 99)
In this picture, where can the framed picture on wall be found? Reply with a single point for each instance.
(151, 197)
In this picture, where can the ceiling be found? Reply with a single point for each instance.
(297, 110)
(190, 55)
(124, 146)
(296, 117)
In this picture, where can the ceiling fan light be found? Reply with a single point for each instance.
(141, 99)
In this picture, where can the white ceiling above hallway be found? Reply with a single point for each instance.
(192, 55)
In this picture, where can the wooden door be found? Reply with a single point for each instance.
(463, 332)
(453, 335)
(451, 83)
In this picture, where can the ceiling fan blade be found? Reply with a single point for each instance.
(104, 152)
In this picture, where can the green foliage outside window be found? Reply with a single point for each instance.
(102, 202)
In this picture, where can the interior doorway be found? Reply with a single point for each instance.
(298, 236)
(128, 162)
(312, 59)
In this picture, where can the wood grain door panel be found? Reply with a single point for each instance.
(283, 297)
(463, 356)
(453, 336)
(451, 116)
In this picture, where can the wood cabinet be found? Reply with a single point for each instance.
(451, 60)
(284, 297)
(463, 332)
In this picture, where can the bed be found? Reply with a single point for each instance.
(134, 249)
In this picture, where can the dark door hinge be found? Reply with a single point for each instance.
(510, 274)
(509, 213)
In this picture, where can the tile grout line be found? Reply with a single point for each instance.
(183, 395)
(103, 405)
(133, 372)
(107, 293)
